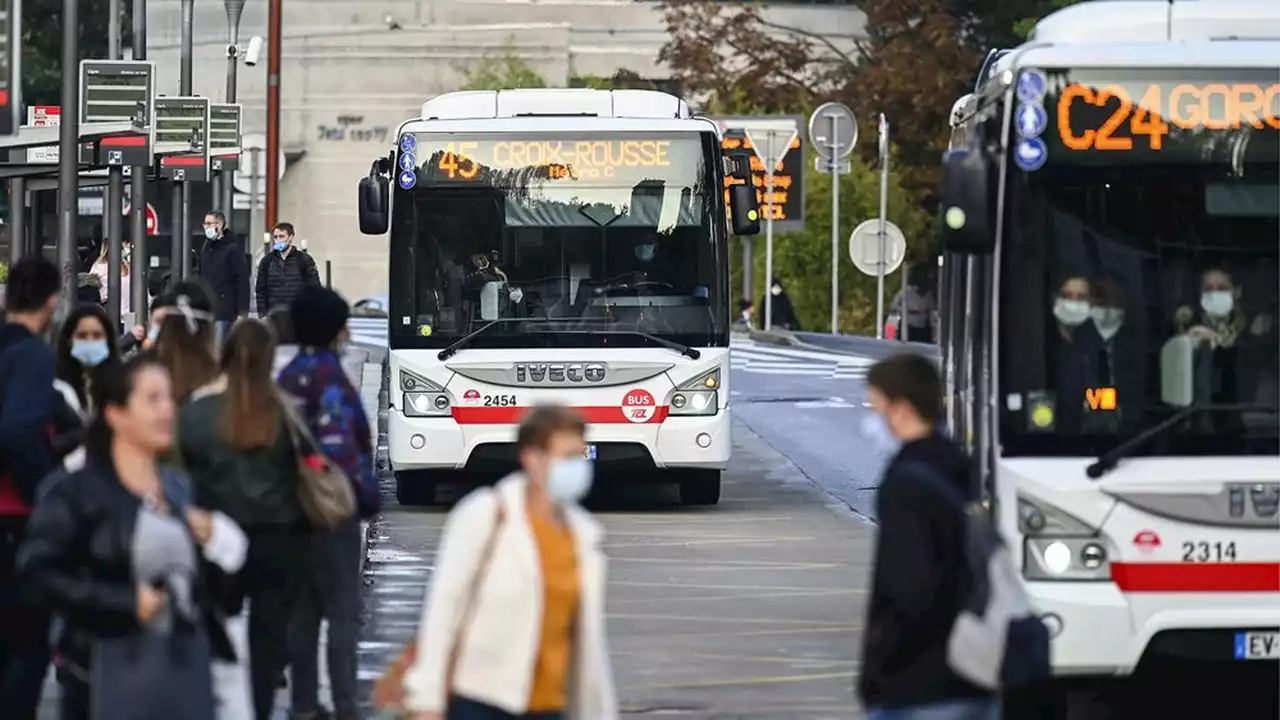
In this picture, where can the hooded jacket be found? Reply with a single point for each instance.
(919, 584)
(225, 269)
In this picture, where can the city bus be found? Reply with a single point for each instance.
(1111, 353)
(563, 246)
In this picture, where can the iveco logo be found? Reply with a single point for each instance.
(559, 372)
(1264, 498)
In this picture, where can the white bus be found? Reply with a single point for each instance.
(1112, 263)
(565, 246)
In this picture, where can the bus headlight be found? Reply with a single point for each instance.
(427, 404)
(1057, 546)
(697, 396)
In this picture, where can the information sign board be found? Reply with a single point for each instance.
(181, 133)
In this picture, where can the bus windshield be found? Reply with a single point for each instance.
(1139, 265)
(578, 238)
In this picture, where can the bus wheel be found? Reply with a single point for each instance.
(700, 487)
(415, 487)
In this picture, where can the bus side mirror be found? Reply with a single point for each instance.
(743, 210)
(373, 204)
(966, 217)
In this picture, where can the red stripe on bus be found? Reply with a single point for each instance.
(188, 160)
(1196, 577)
(606, 415)
(125, 141)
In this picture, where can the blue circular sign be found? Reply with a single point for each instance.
(1032, 86)
(408, 179)
(408, 161)
(408, 143)
(1030, 154)
(1030, 120)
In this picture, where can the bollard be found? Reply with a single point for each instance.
(328, 274)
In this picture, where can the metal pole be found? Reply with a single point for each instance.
(835, 226)
(113, 205)
(884, 216)
(69, 155)
(748, 266)
(17, 218)
(181, 243)
(905, 314)
(255, 172)
(274, 22)
(140, 262)
(178, 227)
(35, 238)
(234, 8)
(768, 234)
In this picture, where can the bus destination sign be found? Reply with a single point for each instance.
(118, 91)
(181, 138)
(788, 178)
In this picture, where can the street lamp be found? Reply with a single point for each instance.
(234, 8)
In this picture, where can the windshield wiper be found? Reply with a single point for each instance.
(465, 340)
(1108, 460)
(691, 353)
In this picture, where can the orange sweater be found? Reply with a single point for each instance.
(561, 589)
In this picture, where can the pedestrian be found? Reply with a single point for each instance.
(514, 620)
(920, 578)
(143, 335)
(28, 404)
(746, 311)
(283, 271)
(915, 305)
(86, 341)
(186, 342)
(101, 270)
(225, 271)
(115, 549)
(782, 315)
(335, 416)
(235, 444)
(89, 289)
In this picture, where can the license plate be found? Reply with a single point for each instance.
(590, 452)
(1258, 646)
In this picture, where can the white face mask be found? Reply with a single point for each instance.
(569, 480)
(1071, 313)
(1108, 321)
(776, 290)
(1217, 303)
(876, 430)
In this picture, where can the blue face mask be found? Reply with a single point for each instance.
(90, 353)
(211, 233)
(569, 480)
(153, 332)
(644, 253)
(279, 246)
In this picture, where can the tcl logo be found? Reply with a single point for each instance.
(1146, 541)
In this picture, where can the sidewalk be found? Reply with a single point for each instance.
(371, 384)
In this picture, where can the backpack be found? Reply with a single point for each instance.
(998, 641)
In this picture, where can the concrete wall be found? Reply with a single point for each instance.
(348, 80)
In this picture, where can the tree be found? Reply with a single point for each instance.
(501, 72)
(42, 44)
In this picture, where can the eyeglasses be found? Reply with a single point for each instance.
(280, 237)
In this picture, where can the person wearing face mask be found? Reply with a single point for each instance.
(919, 583)
(283, 271)
(1076, 349)
(514, 620)
(1120, 363)
(85, 343)
(100, 270)
(1228, 334)
(782, 312)
(225, 271)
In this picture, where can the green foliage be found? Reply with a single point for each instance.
(1024, 26)
(42, 44)
(506, 71)
(4, 272)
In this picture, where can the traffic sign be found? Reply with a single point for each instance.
(253, 151)
(43, 116)
(118, 91)
(153, 220)
(864, 248)
(833, 130)
(224, 135)
(824, 165)
(771, 138)
(181, 138)
(10, 52)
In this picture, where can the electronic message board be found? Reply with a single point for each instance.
(1146, 116)
(788, 180)
(9, 46)
(118, 91)
(224, 136)
(181, 132)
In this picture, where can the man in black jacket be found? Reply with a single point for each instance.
(28, 401)
(283, 271)
(919, 583)
(224, 269)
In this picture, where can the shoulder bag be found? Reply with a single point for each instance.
(323, 488)
(388, 692)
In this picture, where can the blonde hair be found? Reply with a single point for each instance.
(102, 257)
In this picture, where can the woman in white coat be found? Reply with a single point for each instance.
(514, 621)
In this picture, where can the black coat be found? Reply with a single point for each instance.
(225, 269)
(280, 277)
(76, 560)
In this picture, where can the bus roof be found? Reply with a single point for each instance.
(1149, 33)
(558, 102)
